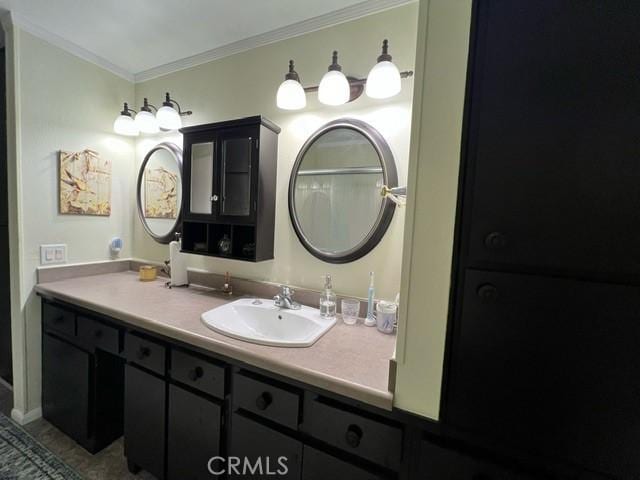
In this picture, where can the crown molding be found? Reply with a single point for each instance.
(22, 23)
(294, 30)
(359, 10)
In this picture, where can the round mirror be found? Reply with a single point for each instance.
(159, 192)
(335, 200)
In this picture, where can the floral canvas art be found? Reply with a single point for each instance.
(85, 183)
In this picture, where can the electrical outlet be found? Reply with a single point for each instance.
(53, 254)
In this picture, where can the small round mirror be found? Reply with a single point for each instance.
(335, 192)
(159, 192)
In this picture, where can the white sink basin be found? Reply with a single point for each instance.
(266, 324)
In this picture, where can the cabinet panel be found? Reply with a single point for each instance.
(317, 465)
(553, 145)
(144, 421)
(236, 175)
(549, 365)
(65, 387)
(274, 451)
(439, 463)
(193, 435)
(201, 178)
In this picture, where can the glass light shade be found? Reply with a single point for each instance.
(291, 95)
(168, 118)
(334, 88)
(147, 122)
(124, 125)
(383, 80)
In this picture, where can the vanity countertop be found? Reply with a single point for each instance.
(348, 360)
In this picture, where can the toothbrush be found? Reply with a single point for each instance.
(370, 321)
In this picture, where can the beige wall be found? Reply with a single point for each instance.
(246, 84)
(61, 102)
(433, 172)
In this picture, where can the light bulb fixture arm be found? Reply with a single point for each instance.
(169, 102)
(146, 106)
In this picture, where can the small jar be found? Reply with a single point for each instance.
(386, 316)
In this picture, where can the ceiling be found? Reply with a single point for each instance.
(138, 36)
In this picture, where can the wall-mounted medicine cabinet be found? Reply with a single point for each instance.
(229, 186)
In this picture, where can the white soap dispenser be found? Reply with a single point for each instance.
(178, 264)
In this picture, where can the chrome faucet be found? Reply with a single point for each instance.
(285, 299)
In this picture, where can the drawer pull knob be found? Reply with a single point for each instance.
(263, 401)
(195, 374)
(58, 320)
(495, 241)
(353, 436)
(487, 292)
(143, 353)
(98, 334)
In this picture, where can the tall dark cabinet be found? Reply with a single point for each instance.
(229, 188)
(543, 354)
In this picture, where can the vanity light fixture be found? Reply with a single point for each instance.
(124, 123)
(165, 118)
(334, 87)
(168, 117)
(384, 81)
(145, 119)
(384, 78)
(291, 95)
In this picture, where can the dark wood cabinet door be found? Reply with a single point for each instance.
(552, 138)
(144, 420)
(317, 465)
(443, 463)
(199, 170)
(278, 455)
(237, 174)
(550, 366)
(65, 387)
(193, 435)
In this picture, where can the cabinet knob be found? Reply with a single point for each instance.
(214, 198)
(58, 320)
(495, 241)
(98, 334)
(487, 292)
(196, 373)
(353, 436)
(263, 401)
(143, 352)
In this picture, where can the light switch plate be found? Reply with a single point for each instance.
(53, 254)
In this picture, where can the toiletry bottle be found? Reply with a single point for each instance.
(328, 299)
(370, 320)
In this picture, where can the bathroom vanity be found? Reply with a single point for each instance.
(122, 356)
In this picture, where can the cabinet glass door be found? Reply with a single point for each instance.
(201, 199)
(236, 177)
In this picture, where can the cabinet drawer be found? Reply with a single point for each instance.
(262, 397)
(317, 465)
(200, 374)
(373, 439)
(95, 334)
(59, 319)
(277, 453)
(145, 352)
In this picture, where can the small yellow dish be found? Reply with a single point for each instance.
(147, 273)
